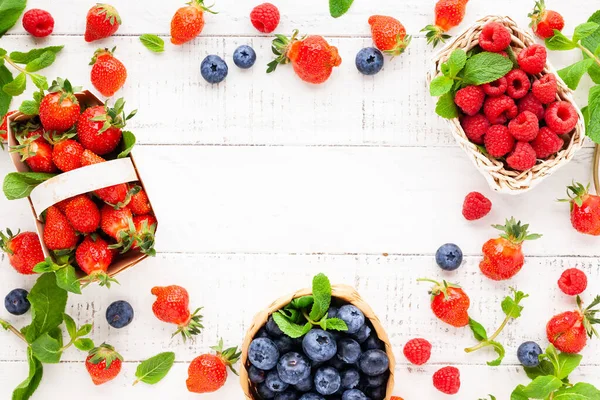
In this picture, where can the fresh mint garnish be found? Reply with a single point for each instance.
(153, 43)
(10, 11)
(154, 369)
(337, 8)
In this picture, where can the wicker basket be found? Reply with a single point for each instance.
(343, 292)
(499, 178)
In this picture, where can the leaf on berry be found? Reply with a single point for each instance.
(511, 306)
(5, 98)
(584, 30)
(25, 58)
(10, 11)
(440, 85)
(321, 289)
(485, 68)
(17, 86)
(542, 386)
(593, 112)
(445, 107)
(291, 329)
(478, 330)
(154, 369)
(153, 43)
(501, 353)
(573, 73)
(337, 8)
(560, 42)
(334, 324)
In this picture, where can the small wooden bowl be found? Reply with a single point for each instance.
(342, 292)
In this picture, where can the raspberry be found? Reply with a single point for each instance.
(498, 141)
(476, 206)
(547, 143)
(525, 127)
(494, 37)
(499, 109)
(522, 158)
(572, 282)
(475, 127)
(561, 117)
(545, 88)
(265, 17)
(532, 104)
(495, 88)
(417, 351)
(447, 380)
(470, 99)
(518, 84)
(533, 59)
(38, 23)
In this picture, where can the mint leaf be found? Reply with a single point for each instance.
(592, 43)
(84, 344)
(153, 43)
(25, 58)
(335, 324)
(47, 349)
(560, 42)
(500, 351)
(302, 302)
(593, 112)
(584, 30)
(128, 143)
(573, 73)
(511, 306)
(48, 303)
(544, 368)
(39, 81)
(580, 391)
(10, 11)
(43, 61)
(26, 388)
(445, 107)
(518, 393)
(542, 386)
(440, 85)
(567, 364)
(456, 62)
(18, 185)
(5, 99)
(337, 8)
(30, 107)
(17, 86)
(154, 369)
(66, 279)
(291, 329)
(478, 330)
(485, 67)
(70, 325)
(84, 330)
(321, 288)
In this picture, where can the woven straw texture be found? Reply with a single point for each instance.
(501, 179)
(343, 292)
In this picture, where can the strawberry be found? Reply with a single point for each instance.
(449, 303)
(66, 155)
(24, 250)
(208, 372)
(4, 125)
(108, 74)
(58, 233)
(102, 21)
(172, 306)
(113, 195)
(59, 109)
(83, 214)
(544, 22)
(99, 127)
(448, 14)
(145, 228)
(118, 224)
(503, 257)
(312, 57)
(139, 204)
(103, 364)
(388, 34)
(585, 209)
(188, 22)
(568, 331)
(35, 151)
(94, 256)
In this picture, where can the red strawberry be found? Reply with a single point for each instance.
(4, 125)
(94, 256)
(24, 250)
(448, 14)
(139, 204)
(58, 233)
(59, 109)
(112, 195)
(188, 22)
(118, 224)
(449, 303)
(67, 155)
(99, 127)
(503, 257)
(145, 228)
(568, 331)
(108, 74)
(35, 151)
(544, 22)
(388, 34)
(208, 372)
(103, 364)
(83, 214)
(102, 21)
(172, 306)
(585, 209)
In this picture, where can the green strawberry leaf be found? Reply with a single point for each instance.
(10, 11)
(485, 67)
(154, 369)
(291, 329)
(478, 330)
(321, 289)
(18, 185)
(337, 8)
(26, 388)
(153, 43)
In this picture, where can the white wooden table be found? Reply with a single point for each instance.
(262, 181)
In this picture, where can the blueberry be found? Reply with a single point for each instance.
(319, 345)
(377, 380)
(263, 353)
(275, 383)
(354, 394)
(293, 368)
(285, 344)
(272, 328)
(311, 396)
(373, 343)
(119, 314)
(244, 57)
(350, 378)
(377, 393)
(214, 69)
(352, 316)
(337, 363)
(305, 385)
(374, 362)
(327, 381)
(363, 334)
(528, 353)
(256, 375)
(289, 394)
(348, 350)
(449, 257)
(262, 332)
(332, 312)
(369, 61)
(264, 392)
(16, 302)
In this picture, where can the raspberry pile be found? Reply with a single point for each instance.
(518, 118)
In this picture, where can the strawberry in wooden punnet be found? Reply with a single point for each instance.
(59, 109)
(569, 331)
(208, 372)
(66, 154)
(117, 195)
(108, 73)
(172, 306)
(94, 256)
(448, 14)
(102, 21)
(24, 250)
(544, 22)
(35, 151)
(389, 35)
(503, 257)
(58, 232)
(449, 303)
(83, 214)
(139, 204)
(4, 125)
(145, 228)
(312, 57)
(188, 22)
(585, 209)
(103, 364)
(118, 224)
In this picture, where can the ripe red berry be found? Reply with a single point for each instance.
(265, 17)
(561, 117)
(476, 206)
(38, 23)
(475, 127)
(447, 380)
(417, 351)
(525, 127)
(547, 143)
(498, 141)
(522, 158)
(544, 22)
(494, 37)
(533, 59)
(518, 84)
(532, 104)
(544, 89)
(470, 99)
(572, 282)
(495, 88)
(499, 109)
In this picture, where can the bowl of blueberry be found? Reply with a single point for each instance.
(323, 343)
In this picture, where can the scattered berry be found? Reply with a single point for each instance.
(263, 353)
(495, 88)
(449, 303)
(470, 99)
(544, 22)
(448, 14)
(108, 73)
(265, 17)
(102, 21)
(24, 250)
(572, 282)
(476, 206)
(119, 314)
(103, 364)
(244, 57)
(475, 127)
(208, 372)
(59, 109)
(188, 22)
(352, 316)
(214, 69)
(528, 354)
(585, 209)
(38, 23)
(172, 306)
(518, 84)
(522, 157)
(319, 345)
(66, 155)
(58, 232)
(524, 127)
(417, 351)
(369, 61)
(16, 302)
(547, 143)
(498, 141)
(532, 104)
(568, 331)
(499, 109)
(449, 257)
(544, 89)
(494, 37)
(447, 380)
(533, 59)
(389, 35)
(561, 117)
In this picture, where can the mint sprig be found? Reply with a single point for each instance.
(154, 369)
(337, 8)
(153, 43)
(10, 11)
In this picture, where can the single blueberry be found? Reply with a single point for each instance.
(319, 345)
(16, 302)
(305, 385)
(528, 354)
(272, 328)
(289, 394)
(350, 378)
(352, 316)
(373, 343)
(332, 312)
(354, 394)
(264, 392)
(262, 332)
(449, 257)
(327, 381)
(369, 61)
(311, 396)
(376, 393)
(374, 362)
(293, 368)
(285, 344)
(119, 314)
(275, 383)
(263, 354)
(377, 380)
(348, 350)
(363, 334)
(256, 375)
(214, 69)
(244, 57)
(337, 363)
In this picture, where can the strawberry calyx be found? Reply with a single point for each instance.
(200, 5)
(192, 327)
(55, 138)
(130, 193)
(65, 89)
(435, 35)
(229, 356)
(104, 352)
(589, 316)
(438, 287)
(99, 276)
(127, 238)
(402, 43)
(110, 13)
(516, 233)
(280, 47)
(113, 117)
(537, 15)
(5, 240)
(102, 52)
(577, 194)
(25, 141)
(145, 239)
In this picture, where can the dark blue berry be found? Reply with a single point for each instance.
(311, 396)
(275, 383)
(528, 354)
(16, 302)
(354, 394)
(272, 328)
(214, 69)
(348, 350)
(289, 394)
(285, 344)
(449, 257)
(332, 312)
(377, 380)
(264, 392)
(305, 385)
(327, 381)
(293, 368)
(337, 363)
(374, 362)
(256, 375)
(263, 354)
(350, 378)
(119, 314)
(352, 316)
(262, 332)
(319, 345)
(244, 57)
(376, 393)
(369, 61)
(373, 343)
(363, 334)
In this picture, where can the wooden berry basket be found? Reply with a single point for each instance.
(500, 178)
(342, 292)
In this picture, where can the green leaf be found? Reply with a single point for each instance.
(511, 306)
(518, 394)
(321, 288)
(4, 324)
(592, 43)
(17, 86)
(84, 330)
(289, 328)
(84, 344)
(47, 349)
(445, 107)
(456, 62)
(593, 126)
(302, 302)
(560, 42)
(335, 324)
(573, 73)
(485, 67)
(30, 107)
(154, 369)
(26, 388)
(10, 11)
(25, 58)
(478, 330)
(567, 364)
(500, 351)
(70, 325)
(584, 30)
(18, 185)
(5, 98)
(542, 386)
(337, 8)
(544, 368)
(128, 143)
(66, 278)
(39, 81)
(43, 61)
(440, 85)
(579, 391)
(153, 43)
(48, 303)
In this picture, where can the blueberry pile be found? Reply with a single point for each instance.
(332, 365)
